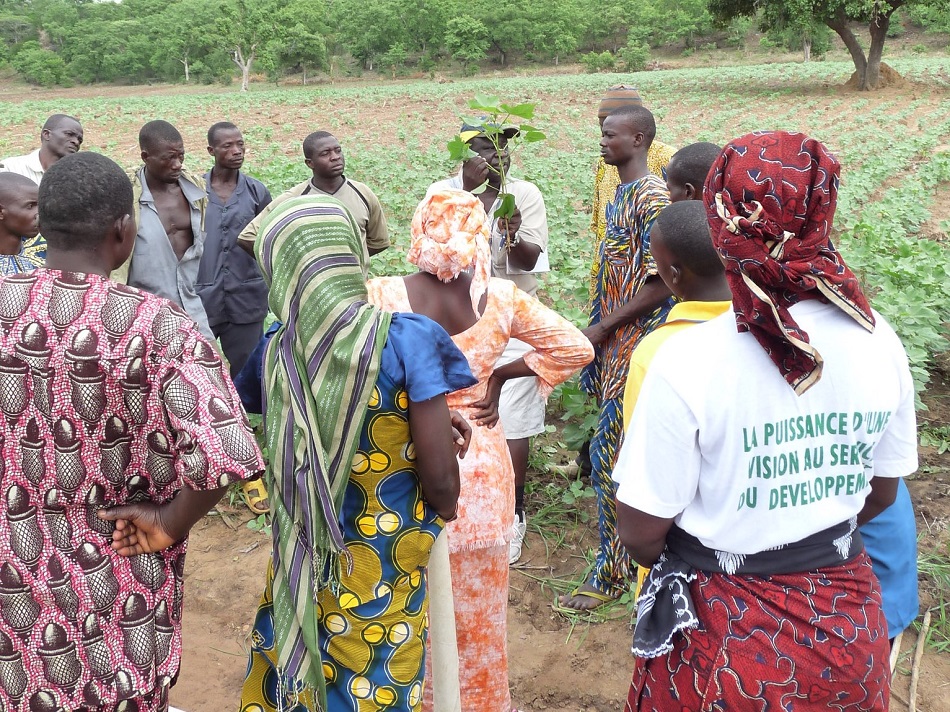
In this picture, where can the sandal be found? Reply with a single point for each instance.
(255, 496)
(587, 591)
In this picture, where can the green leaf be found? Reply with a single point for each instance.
(532, 136)
(522, 111)
(459, 150)
(485, 102)
(476, 121)
(478, 190)
(507, 206)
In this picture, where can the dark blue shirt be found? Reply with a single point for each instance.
(229, 281)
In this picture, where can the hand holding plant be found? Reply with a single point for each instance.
(506, 127)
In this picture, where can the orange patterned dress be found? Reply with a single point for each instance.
(478, 539)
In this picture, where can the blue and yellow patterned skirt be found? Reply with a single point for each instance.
(373, 654)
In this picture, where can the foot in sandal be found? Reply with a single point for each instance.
(255, 496)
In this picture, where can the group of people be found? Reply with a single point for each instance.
(756, 417)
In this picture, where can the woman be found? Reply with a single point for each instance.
(363, 473)
(760, 441)
(450, 247)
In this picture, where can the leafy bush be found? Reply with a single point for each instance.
(935, 17)
(395, 58)
(603, 62)
(635, 56)
(39, 66)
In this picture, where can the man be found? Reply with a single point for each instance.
(606, 180)
(517, 246)
(629, 301)
(687, 170)
(61, 135)
(323, 155)
(21, 247)
(170, 207)
(115, 409)
(230, 284)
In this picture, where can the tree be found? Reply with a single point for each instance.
(189, 33)
(933, 15)
(299, 41)
(465, 39)
(367, 28)
(836, 14)
(394, 57)
(16, 28)
(663, 22)
(251, 25)
(108, 51)
(805, 34)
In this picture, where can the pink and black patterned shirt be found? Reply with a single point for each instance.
(108, 395)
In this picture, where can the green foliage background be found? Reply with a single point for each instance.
(135, 41)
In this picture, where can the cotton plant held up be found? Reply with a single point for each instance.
(495, 118)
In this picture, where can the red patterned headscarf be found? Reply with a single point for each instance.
(770, 198)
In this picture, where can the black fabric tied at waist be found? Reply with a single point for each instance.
(665, 606)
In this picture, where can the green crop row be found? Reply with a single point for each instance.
(893, 148)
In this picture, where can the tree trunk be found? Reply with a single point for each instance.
(305, 75)
(555, 60)
(237, 56)
(879, 26)
(806, 48)
(501, 52)
(840, 25)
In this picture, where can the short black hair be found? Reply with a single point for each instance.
(56, 119)
(309, 143)
(684, 230)
(639, 117)
(220, 126)
(10, 183)
(691, 163)
(80, 196)
(157, 131)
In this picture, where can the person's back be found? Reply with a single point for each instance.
(111, 400)
(805, 457)
(761, 441)
(380, 388)
(450, 236)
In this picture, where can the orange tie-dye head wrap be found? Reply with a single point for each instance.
(450, 233)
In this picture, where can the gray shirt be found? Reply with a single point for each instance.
(229, 281)
(155, 267)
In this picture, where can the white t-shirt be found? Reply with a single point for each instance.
(720, 442)
(28, 166)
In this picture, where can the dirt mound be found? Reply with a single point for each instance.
(888, 78)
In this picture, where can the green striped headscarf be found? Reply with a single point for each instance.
(319, 371)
